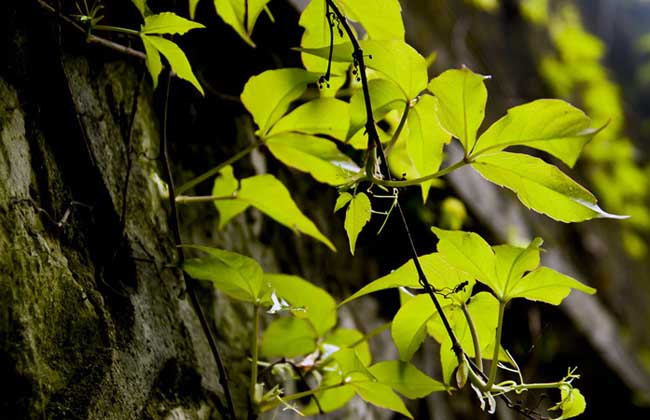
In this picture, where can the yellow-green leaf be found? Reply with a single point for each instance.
(233, 12)
(342, 200)
(176, 58)
(460, 103)
(288, 337)
(540, 186)
(384, 96)
(327, 116)
(141, 5)
(317, 35)
(343, 338)
(546, 285)
(167, 23)
(380, 395)
(573, 403)
(409, 325)
(268, 95)
(356, 217)
(315, 155)
(425, 140)
(192, 7)
(317, 306)
(236, 275)
(550, 125)
(153, 62)
(405, 378)
(381, 19)
(226, 185)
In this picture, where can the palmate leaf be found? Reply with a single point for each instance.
(425, 140)
(409, 325)
(316, 305)
(344, 338)
(509, 271)
(268, 95)
(380, 395)
(236, 275)
(550, 125)
(384, 96)
(405, 378)
(174, 55)
(460, 103)
(380, 18)
(356, 217)
(342, 200)
(327, 116)
(540, 186)
(168, 23)
(233, 12)
(268, 195)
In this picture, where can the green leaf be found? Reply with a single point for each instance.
(315, 155)
(546, 285)
(425, 140)
(192, 7)
(233, 12)
(319, 307)
(484, 309)
(381, 19)
(409, 325)
(540, 186)
(342, 200)
(327, 116)
(268, 95)
(573, 403)
(550, 125)
(444, 277)
(381, 395)
(167, 23)
(288, 337)
(141, 5)
(176, 58)
(460, 103)
(405, 378)
(384, 96)
(342, 338)
(356, 217)
(153, 62)
(351, 365)
(271, 197)
(316, 35)
(397, 60)
(236, 275)
(330, 399)
(227, 185)
(513, 262)
(469, 252)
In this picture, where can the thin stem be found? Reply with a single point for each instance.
(212, 172)
(189, 281)
(497, 346)
(478, 358)
(256, 329)
(399, 129)
(118, 29)
(191, 199)
(417, 181)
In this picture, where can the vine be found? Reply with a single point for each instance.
(388, 80)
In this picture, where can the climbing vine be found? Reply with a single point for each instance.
(337, 140)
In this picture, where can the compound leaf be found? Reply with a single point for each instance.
(356, 217)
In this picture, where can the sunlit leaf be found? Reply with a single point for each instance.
(342, 338)
(356, 217)
(288, 337)
(167, 23)
(512, 263)
(342, 200)
(268, 95)
(573, 403)
(330, 399)
(550, 125)
(380, 18)
(316, 35)
(226, 185)
(176, 58)
(271, 197)
(540, 186)
(460, 103)
(236, 275)
(316, 305)
(405, 378)
(409, 325)
(141, 5)
(395, 59)
(234, 13)
(384, 96)
(320, 116)
(425, 141)
(381, 395)
(440, 273)
(153, 62)
(317, 156)
(546, 285)
(192, 7)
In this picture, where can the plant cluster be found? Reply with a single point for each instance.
(363, 75)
